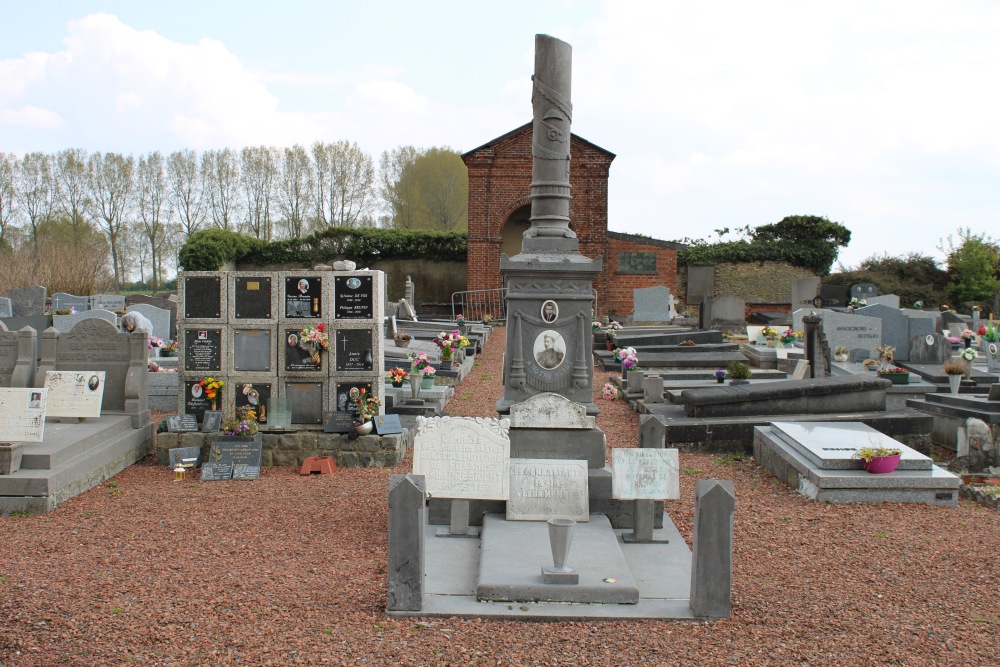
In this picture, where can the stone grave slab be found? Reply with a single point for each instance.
(183, 423)
(202, 350)
(177, 455)
(550, 410)
(252, 298)
(159, 318)
(6, 307)
(253, 350)
(306, 401)
(64, 300)
(338, 422)
(645, 474)
(834, 446)
(463, 457)
(65, 323)
(216, 472)
(74, 393)
(202, 296)
(542, 489)
(28, 301)
(107, 302)
(303, 296)
(353, 298)
(22, 414)
(652, 304)
(243, 455)
(388, 425)
(353, 350)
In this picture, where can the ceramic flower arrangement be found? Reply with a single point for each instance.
(396, 375)
(368, 405)
(419, 362)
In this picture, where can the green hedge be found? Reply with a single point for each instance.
(210, 249)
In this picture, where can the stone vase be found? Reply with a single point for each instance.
(954, 382)
(560, 540)
(415, 381)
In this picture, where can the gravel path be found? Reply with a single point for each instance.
(291, 570)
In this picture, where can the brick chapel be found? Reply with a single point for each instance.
(500, 208)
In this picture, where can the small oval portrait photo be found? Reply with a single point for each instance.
(550, 311)
(303, 285)
(549, 349)
(94, 382)
(293, 340)
(355, 393)
(353, 283)
(196, 391)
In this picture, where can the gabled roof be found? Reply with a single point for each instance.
(527, 127)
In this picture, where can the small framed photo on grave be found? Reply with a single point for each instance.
(254, 396)
(300, 356)
(211, 421)
(306, 401)
(353, 350)
(203, 350)
(202, 297)
(252, 350)
(347, 396)
(353, 298)
(252, 298)
(303, 296)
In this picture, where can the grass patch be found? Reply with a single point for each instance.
(21, 513)
(693, 471)
(731, 458)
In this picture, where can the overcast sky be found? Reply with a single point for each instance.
(882, 116)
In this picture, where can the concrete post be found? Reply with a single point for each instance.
(652, 432)
(407, 518)
(27, 358)
(712, 552)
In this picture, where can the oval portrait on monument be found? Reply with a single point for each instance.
(550, 311)
(549, 349)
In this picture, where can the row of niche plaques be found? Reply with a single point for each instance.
(307, 401)
(263, 349)
(298, 296)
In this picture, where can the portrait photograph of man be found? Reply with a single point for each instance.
(550, 311)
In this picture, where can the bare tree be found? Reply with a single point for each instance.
(36, 190)
(112, 185)
(7, 163)
(186, 200)
(392, 187)
(221, 176)
(345, 178)
(295, 189)
(73, 187)
(152, 195)
(257, 176)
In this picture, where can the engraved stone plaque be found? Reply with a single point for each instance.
(354, 349)
(303, 296)
(306, 401)
(74, 393)
(195, 400)
(645, 474)
(202, 297)
(203, 350)
(22, 414)
(353, 298)
(542, 489)
(463, 457)
(253, 297)
(252, 350)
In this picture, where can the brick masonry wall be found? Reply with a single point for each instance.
(616, 299)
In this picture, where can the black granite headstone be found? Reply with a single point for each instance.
(303, 296)
(203, 350)
(202, 297)
(834, 296)
(864, 291)
(347, 395)
(253, 298)
(254, 396)
(339, 422)
(196, 402)
(252, 350)
(306, 401)
(354, 350)
(353, 298)
(297, 357)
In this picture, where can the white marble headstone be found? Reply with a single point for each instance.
(74, 393)
(463, 457)
(645, 474)
(550, 410)
(22, 414)
(542, 489)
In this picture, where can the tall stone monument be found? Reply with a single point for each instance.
(549, 284)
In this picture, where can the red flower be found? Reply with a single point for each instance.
(982, 329)
(321, 327)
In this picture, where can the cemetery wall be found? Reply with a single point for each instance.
(616, 299)
(755, 282)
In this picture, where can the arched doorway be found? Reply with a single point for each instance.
(513, 230)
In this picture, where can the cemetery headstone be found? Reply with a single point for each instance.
(388, 425)
(65, 323)
(891, 300)
(306, 401)
(159, 318)
(463, 457)
(96, 345)
(203, 350)
(953, 323)
(728, 308)
(353, 350)
(107, 302)
(652, 304)
(353, 298)
(211, 421)
(6, 307)
(992, 357)
(28, 301)
(74, 393)
(864, 291)
(701, 283)
(303, 296)
(63, 301)
(834, 296)
(252, 349)
(23, 413)
(804, 292)
(645, 474)
(178, 455)
(929, 349)
(252, 298)
(542, 489)
(895, 327)
(851, 330)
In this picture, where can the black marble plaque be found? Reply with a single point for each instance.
(303, 296)
(353, 298)
(187, 422)
(202, 297)
(215, 472)
(195, 401)
(252, 350)
(253, 298)
(178, 454)
(297, 357)
(834, 296)
(243, 454)
(254, 396)
(387, 424)
(354, 349)
(306, 401)
(203, 350)
(339, 422)
(347, 395)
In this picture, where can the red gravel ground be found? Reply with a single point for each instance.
(290, 570)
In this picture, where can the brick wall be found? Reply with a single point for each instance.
(616, 299)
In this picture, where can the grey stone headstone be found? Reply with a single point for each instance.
(407, 518)
(804, 292)
(65, 323)
(992, 353)
(107, 302)
(652, 389)
(652, 432)
(652, 304)
(729, 309)
(955, 324)
(701, 283)
(712, 549)
(891, 300)
(859, 354)
(63, 300)
(851, 330)
(895, 327)
(8, 355)
(96, 345)
(6, 308)
(158, 316)
(929, 349)
(542, 489)
(864, 291)
(994, 394)
(919, 326)
(28, 301)
(705, 316)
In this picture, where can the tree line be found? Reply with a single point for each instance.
(144, 208)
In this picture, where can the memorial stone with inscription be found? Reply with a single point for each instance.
(22, 414)
(6, 307)
(203, 350)
(354, 297)
(63, 301)
(353, 349)
(645, 474)
(107, 302)
(303, 296)
(28, 301)
(463, 457)
(66, 323)
(74, 393)
(542, 489)
(252, 297)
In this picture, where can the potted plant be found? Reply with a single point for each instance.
(169, 349)
(242, 423)
(870, 364)
(461, 324)
(841, 353)
(402, 339)
(627, 357)
(771, 335)
(955, 369)
(720, 376)
(738, 372)
(397, 376)
(895, 375)
(879, 460)
(613, 326)
(886, 354)
(967, 335)
(427, 381)
(154, 343)
(368, 407)
(787, 337)
(968, 354)
(988, 333)
(449, 342)
(595, 326)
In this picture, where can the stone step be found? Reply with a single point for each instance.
(64, 442)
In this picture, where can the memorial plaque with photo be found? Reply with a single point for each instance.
(203, 350)
(298, 357)
(74, 393)
(252, 298)
(354, 349)
(306, 401)
(254, 396)
(303, 296)
(347, 396)
(195, 401)
(22, 414)
(338, 422)
(353, 298)
(202, 297)
(252, 350)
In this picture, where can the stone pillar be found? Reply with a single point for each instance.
(50, 341)
(408, 292)
(810, 324)
(407, 518)
(652, 432)
(652, 389)
(27, 358)
(137, 380)
(712, 549)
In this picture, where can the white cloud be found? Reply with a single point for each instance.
(30, 116)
